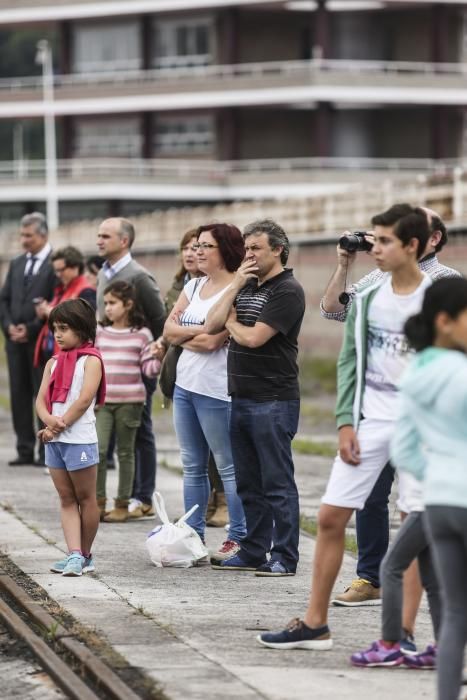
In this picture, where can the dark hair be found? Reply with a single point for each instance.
(437, 224)
(187, 237)
(392, 215)
(275, 233)
(126, 293)
(71, 257)
(78, 315)
(448, 295)
(230, 242)
(408, 222)
(93, 263)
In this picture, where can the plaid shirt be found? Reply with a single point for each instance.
(430, 264)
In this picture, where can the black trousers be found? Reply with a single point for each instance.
(24, 385)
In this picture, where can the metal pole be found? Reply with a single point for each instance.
(44, 57)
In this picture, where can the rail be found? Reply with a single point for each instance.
(286, 69)
(218, 171)
(100, 680)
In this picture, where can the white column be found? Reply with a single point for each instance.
(44, 58)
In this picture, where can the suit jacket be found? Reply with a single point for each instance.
(16, 305)
(148, 294)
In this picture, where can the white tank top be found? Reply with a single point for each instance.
(83, 431)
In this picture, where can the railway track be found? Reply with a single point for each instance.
(74, 668)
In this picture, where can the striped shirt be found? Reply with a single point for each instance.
(430, 264)
(126, 354)
(268, 372)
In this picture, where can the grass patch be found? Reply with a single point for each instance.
(310, 526)
(310, 447)
(317, 374)
(316, 414)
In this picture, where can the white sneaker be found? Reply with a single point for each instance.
(134, 504)
(47, 471)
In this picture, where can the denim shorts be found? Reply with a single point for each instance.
(63, 455)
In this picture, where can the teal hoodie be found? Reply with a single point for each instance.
(430, 440)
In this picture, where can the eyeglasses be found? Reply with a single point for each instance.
(204, 246)
(58, 270)
(190, 247)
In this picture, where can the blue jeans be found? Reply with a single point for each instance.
(261, 435)
(202, 424)
(145, 450)
(372, 524)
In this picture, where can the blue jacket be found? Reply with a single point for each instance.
(430, 440)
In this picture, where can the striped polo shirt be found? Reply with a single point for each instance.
(126, 355)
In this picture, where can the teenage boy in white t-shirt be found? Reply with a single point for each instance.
(372, 359)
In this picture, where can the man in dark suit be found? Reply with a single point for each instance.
(30, 278)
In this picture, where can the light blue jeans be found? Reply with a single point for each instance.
(202, 424)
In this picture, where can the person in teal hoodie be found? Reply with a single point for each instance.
(430, 442)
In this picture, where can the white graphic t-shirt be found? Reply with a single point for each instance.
(202, 372)
(387, 350)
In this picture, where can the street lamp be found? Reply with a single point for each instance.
(44, 58)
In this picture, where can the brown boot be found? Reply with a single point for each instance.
(101, 505)
(221, 516)
(212, 505)
(119, 513)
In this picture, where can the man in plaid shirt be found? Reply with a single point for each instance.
(372, 523)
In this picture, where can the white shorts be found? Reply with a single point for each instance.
(350, 485)
(410, 493)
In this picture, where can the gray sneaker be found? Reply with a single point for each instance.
(59, 566)
(74, 565)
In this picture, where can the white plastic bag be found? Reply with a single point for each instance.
(174, 544)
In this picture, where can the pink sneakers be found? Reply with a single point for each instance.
(378, 655)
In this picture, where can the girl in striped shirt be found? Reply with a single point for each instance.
(125, 346)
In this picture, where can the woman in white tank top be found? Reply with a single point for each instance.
(201, 402)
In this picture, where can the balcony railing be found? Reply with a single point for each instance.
(219, 172)
(286, 69)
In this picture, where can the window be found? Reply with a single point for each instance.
(101, 137)
(184, 135)
(104, 47)
(182, 43)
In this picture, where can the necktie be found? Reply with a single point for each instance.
(28, 274)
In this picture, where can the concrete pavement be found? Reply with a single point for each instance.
(193, 630)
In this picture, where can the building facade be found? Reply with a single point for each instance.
(180, 101)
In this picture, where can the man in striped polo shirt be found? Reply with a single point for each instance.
(263, 311)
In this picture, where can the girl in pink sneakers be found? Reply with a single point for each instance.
(430, 444)
(65, 404)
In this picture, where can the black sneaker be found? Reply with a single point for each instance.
(235, 563)
(273, 568)
(297, 635)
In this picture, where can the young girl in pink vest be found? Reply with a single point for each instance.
(72, 381)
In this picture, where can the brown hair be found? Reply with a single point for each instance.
(187, 237)
(126, 293)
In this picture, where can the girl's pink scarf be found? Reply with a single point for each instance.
(62, 377)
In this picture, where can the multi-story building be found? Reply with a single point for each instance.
(160, 101)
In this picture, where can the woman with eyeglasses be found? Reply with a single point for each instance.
(201, 402)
